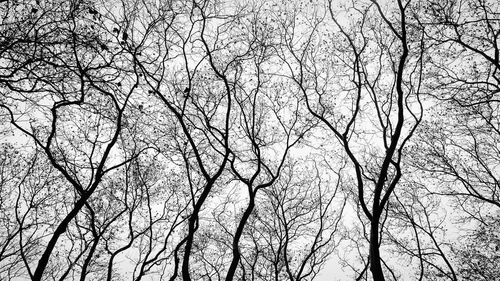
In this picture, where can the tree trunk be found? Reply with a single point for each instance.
(375, 263)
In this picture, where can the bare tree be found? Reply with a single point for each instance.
(461, 146)
(377, 57)
(61, 90)
(203, 139)
(457, 146)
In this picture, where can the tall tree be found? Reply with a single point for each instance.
(62, 90)
(367, 70)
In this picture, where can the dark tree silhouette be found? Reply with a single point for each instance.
(248, 140)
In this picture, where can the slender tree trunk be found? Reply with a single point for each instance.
(193, 227)
(236, 240)
(88, 260)
(61, 228)
(375, 263)
(189, 244)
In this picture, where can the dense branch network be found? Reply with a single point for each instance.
(249, 140)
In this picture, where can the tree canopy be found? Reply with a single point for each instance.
(249, 140)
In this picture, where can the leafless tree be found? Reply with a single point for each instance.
(62, 91)
(210, 139)
(457, 146)
(366, 70)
